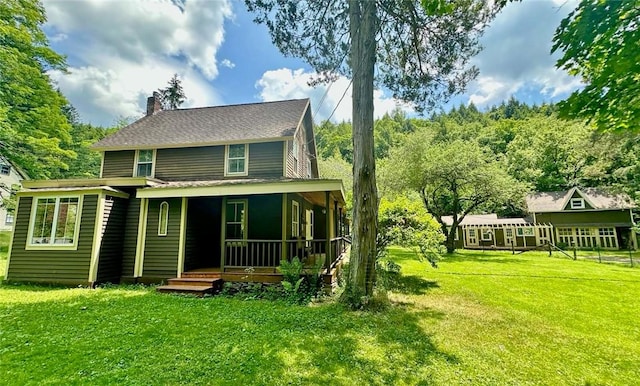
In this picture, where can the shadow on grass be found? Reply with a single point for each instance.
(159, 339)
(406, 284)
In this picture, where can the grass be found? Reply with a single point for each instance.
(480, 318)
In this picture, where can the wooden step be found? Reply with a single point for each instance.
(209, 275)
(198, 287)
(204, 281)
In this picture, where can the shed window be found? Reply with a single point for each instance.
(577, 203)
(236, 220)
(5, 169)
(236, 161)
(163, 220)
(144, 163)
(525, 231)
(487, 235)
(9, 219)
(295, 219)
(55, 221)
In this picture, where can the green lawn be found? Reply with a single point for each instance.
(480, 318)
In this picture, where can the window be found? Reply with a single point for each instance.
(577, 203)
(584, 232)
(5, 169)
(144, 163)
(602, 231)
(487, 234)
(508, 232)
(310, 221)
(163, 220)
(565, 231)
(55, 221)
(295, 151)
(295, 219)
(9, 219)
(236, 160)
(236, 228)
(526, 231)
(309, 174)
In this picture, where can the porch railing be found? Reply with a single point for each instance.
(268, 253)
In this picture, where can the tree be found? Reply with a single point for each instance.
(173, 95)
(452, 178)
(34, 128)
(420, 57)
(599, 42)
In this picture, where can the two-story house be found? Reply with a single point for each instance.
(214, 189)
(10, 178)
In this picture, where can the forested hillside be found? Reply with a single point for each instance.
(536, 148)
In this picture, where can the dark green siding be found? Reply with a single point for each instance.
(55, 266)
(193, 163)
(265, 217)
(113, 220)
(130, 237)
(118, 163)
(587, 218)
(265, 159)
(161, 252)
(207, 163)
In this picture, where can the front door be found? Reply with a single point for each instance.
(472, 237)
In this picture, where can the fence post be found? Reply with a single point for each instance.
(575, 254)
(630, 254)
(549, 244)
(599, 257)
(513, 250)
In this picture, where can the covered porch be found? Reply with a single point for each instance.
(242, 230)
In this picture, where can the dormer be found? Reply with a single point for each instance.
(576, 200)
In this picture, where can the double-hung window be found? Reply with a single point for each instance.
(8, 219)
(236, 220)
(55, 221)
(295, 150)
(144, 163)
(5, 169)
(236, 160)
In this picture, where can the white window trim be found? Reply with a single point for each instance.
(577, 203)
(8, 167)
(244, 223)
(246, 160)
(163, 232)
(486, 232)
(295, 222)
(309, 168)
(153, 163)
(32, 218)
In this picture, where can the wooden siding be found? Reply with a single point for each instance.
(193, 163)
(304, 142)
(161, 252)
(54, 266)
(604, 218)
(113, 227)
(207, 163)
(118, 163)
(130, 237)
(265, 159)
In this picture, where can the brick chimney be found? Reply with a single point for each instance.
(154, 104)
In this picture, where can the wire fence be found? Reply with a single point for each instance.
(626, 257)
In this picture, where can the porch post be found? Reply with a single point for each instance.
(327, 204)
(183, 234)
(634, 239)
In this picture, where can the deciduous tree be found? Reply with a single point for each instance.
(599, 42)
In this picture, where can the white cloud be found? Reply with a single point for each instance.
(285, 83)
(122, 51)
(227, 63)
(517, 54)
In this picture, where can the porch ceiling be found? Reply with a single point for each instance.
(238, 187)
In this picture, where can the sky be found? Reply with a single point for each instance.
(120, 51)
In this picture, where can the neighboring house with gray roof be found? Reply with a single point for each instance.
(585, 218)
(192, 195)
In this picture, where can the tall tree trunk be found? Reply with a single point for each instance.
(363, 26)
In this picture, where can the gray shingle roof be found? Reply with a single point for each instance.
(209, 125)
(485, 219)
(599, 198)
